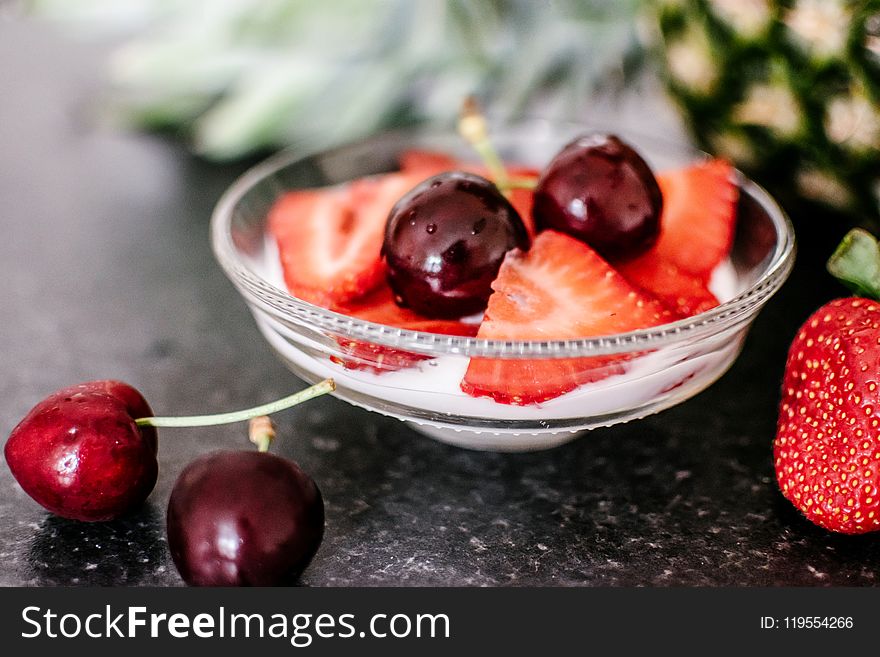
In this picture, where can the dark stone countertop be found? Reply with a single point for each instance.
(107, 272)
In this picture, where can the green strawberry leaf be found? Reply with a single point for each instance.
(856, 263)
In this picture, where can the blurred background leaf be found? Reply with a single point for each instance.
(789, 90)
(245, 75)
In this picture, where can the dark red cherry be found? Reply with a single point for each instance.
(599, 190)
(444, 243)
(80, 454)
(239, 518)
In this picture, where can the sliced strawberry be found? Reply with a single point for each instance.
(696, 232)
(330, 239)
(560, 289)
(379, 307)
(699, 213)
(681, 292)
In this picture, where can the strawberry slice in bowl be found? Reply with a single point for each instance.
(683, 293)
(699, 217)
(561, 289)
(329, 239)
(696, 233)
(379, 307)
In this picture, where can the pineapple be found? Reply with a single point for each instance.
(787, 89)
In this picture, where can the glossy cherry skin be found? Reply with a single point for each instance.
(239, 518)
(80, 454)
(600, 191)
(444, 243)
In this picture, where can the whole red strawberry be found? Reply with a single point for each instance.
(827, 447)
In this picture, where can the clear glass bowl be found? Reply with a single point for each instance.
(664, 365)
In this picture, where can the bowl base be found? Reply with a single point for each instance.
(488, 441)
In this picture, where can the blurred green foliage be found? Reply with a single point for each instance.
(237, 76)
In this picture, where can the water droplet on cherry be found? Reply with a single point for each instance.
(471, 227)
(80, 454)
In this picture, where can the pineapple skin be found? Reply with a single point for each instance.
(789, 90)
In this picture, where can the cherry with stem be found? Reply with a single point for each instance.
(473, 128)
(89, 451)
(244, 518)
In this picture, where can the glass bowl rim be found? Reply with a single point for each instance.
(287, 308)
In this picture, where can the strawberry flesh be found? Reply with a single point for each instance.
(827, 447)
(696, 233)
(699, 216)
(561, 289)
(330, 239)
(379, 307)
(683, 293)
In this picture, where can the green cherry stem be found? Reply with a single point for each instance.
(472, 127)
(325, 386)
(518, 182)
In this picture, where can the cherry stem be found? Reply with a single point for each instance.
(472, 126)
(518, 182)
(261, 432)
(325, 386)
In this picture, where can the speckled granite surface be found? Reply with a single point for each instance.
(107, 272)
